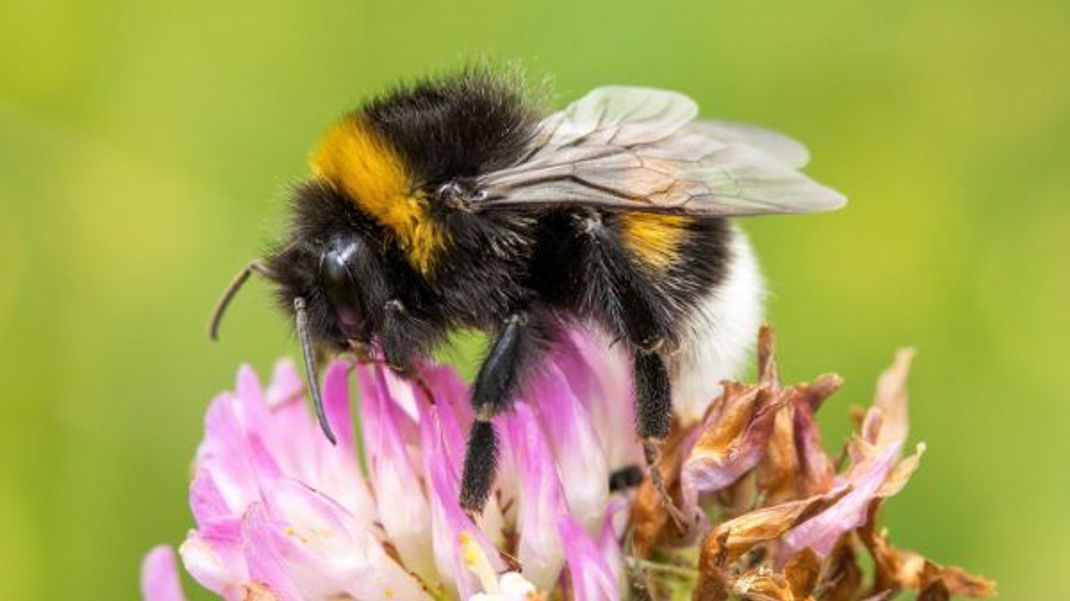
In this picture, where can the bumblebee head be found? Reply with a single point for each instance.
(329, 274)
(333, 264)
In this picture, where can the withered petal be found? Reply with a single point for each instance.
(818, 473)
(814, 393)
(899, 475)
(842, 578)
(763, 585)
(891, 399)
(711, 587)
(729, 444)
(778, 471)
(717, 435)
(896, 569)
(741, 533)
(960, 582)
(935, 591)
(768, 373)
(802, 572)
(712, 582)
(795, 464)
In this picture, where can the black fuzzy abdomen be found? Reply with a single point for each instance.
(583, 266)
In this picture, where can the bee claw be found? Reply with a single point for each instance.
(652, 454)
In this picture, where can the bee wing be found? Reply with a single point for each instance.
(773, 144)
(641, 149)
(617, 115)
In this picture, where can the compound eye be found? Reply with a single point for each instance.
(340, 283)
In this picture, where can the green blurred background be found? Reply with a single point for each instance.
(145, 148)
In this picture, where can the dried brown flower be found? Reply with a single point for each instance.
(777, 523)
(896, 569)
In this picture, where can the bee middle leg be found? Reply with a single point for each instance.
(520, 340)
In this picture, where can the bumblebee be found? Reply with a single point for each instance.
(452, 203)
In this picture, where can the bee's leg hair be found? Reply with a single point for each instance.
(652, 395)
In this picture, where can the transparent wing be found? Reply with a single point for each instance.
(640, 148)
(774, 144)
(618, 115)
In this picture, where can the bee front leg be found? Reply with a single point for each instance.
(403, 337)
(516, 346)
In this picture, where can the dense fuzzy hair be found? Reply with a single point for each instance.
(584, 265)
(516, 273)
(455, 128)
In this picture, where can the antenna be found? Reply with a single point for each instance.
(254, 266)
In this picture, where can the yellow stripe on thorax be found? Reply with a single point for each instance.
(654, 238)
(355, 159)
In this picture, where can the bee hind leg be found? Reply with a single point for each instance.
(649, 331)
(653, 395)
(635, 309)
(653, 420)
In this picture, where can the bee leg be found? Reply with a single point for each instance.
(632, 310)
(648, 332)
(404, 338)
(652, 394)
(653, 419)
(519, 339)
(400, 337)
